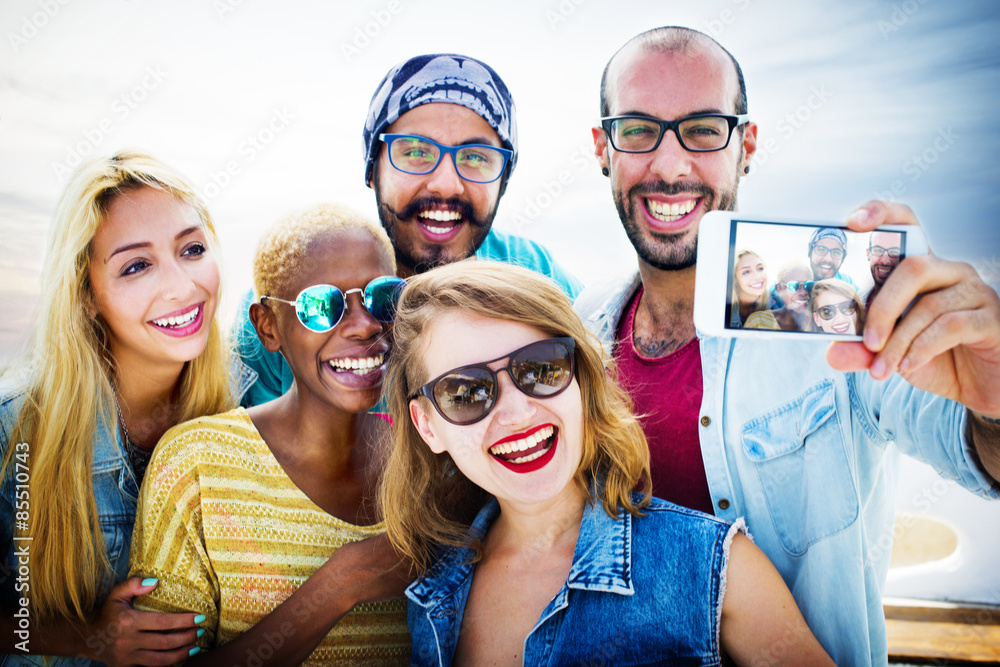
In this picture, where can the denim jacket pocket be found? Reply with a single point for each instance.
(800, 456)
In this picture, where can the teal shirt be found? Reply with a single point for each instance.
(274, 376)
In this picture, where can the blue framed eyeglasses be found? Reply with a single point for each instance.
(478, 163)
(321, 307)
(822, 251)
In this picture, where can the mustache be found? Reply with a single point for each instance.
(462, 207)
(663, 188)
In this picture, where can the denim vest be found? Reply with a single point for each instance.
(115, 492)
(641, 591)
(807, 455)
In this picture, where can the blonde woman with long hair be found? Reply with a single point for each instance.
(125, 346)
(497, 391)
(749, 292)
(264, 519)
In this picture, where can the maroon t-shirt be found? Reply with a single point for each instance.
(667, 396)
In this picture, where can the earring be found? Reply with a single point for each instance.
(605, 171)
(746, 170)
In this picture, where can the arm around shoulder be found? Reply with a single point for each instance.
(167, 543)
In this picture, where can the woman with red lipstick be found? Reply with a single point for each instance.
(259, 519)
(124, 347)
(749, 293)
(499, 394)
(836, 308)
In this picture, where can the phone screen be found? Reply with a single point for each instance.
(806, 278)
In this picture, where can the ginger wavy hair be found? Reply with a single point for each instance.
(845, 290)
(426, 500)
(69, 373)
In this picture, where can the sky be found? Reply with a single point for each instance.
(262, 104)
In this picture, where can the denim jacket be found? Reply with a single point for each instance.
(115, 492)
(641, 591)
(807, 455)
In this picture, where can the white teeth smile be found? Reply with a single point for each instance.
(181, 321)
(438, 230)
(524, 444)
(440, 216)
(669, 212)
(356, 365)
(529, 457)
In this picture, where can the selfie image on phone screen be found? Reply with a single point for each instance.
(806, 278)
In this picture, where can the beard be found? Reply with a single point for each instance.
(417, 257)
(668, 252)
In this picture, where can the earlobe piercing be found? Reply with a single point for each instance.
(746, 170)
(605, 171)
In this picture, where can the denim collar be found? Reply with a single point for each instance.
(602, 560)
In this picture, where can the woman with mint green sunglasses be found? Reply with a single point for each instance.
(263, 519)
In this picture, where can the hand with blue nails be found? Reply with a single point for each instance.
(122, 635)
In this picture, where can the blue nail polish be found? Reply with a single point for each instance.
(151, 581)
(200, 618)
(194, 651)
(201, 632)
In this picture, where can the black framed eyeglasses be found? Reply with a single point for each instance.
(416, 155)
(467, 394)
(878, 251)
(701, 133)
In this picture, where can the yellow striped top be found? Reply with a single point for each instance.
(230, 536)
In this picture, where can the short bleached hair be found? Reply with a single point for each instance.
(284, 245)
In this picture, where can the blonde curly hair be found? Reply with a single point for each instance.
(284, 246)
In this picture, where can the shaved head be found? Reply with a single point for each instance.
(666, 40)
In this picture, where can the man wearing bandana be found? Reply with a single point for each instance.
(440, 141)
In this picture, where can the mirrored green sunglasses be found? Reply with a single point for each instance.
(321, 307)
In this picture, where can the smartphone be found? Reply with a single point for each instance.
(762, 277)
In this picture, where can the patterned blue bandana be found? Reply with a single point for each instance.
(834, 233)
(443, 77)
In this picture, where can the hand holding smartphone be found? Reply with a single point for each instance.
(764, 277)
